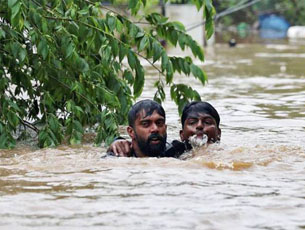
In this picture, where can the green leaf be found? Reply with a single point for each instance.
(178, 25)
(186, 67)
(48, 99)
(198, 4)
(169, 72)
(173, 37)
(131, 59)
(198, 73)
(160, 93)
(181, 40)
(82, 65)
(69, 50)
(114, 47)
(175, 64)
(107, 54)
(111, 22)
(157, 50)
(128, 76)
(133, 30)
(181, 65)
(209, 28)
(144, 2)
(164, 61)
(209, 12)
(44, 25)
(140, 34)
(132, 3)
(196, 96)
(15, 10)
(11, 3)
(139, 81)
(43, 48)
(14, 106)
(13, 119)
(119, 26)
(15, 49)
(6, 140)
(22, 54)
(143, 43)
(1, 128)
(196, 49)
(209, 5)
(122, 52)
(110, 98)
(135, 9)
(173, 93)
(3, 141)
(2, 33)
(78, 126)
(53, 123)
(83, 11)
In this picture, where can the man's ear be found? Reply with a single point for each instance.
(131, 132)
(219, 134)
(181, 135)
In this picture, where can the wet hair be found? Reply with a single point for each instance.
(199, 107)
(149, 106)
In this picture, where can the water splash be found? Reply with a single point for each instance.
(197, 142)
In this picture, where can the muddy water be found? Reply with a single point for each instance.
(253, 179)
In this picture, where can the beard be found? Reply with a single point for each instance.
(149, 149)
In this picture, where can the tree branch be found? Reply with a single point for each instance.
(29, 125)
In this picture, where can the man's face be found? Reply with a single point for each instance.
(150, 133)
(200, 124)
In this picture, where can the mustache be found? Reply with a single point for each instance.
(155, 136)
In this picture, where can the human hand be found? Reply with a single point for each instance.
(120, 148)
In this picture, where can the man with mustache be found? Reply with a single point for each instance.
(199, 120)
(147, 130)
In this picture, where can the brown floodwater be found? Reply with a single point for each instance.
(253, 179)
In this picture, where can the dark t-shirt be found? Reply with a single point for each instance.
(176, 149)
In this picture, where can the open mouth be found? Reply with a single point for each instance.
(154, 140)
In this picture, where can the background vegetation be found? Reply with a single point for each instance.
(292, 10)
(67, 66)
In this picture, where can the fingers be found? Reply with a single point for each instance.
(121, 148)
(126, 149)
(114, 149)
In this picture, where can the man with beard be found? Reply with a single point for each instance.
(200, 125)
(147, 130)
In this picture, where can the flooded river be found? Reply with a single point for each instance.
(253, 179)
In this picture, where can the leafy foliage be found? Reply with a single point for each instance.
(69, 65)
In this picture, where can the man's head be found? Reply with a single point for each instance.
(200, 118)
(147, 128)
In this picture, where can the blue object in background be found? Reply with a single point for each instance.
(273, 26)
